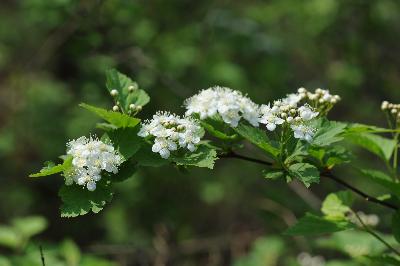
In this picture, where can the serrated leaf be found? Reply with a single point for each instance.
(305, 172)
(204, 156)
(126, 141)
(382, 179)
(336, 205)
(121, 83)
(328, 132)
(54, 169)
(383, 147)
(77, 200)
(396, 226)
(115, 118)
(314, 225)
(258, 138)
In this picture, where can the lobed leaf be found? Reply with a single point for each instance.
(204, 156)
(54, 169)
(126, 141)
(382, 179)
(77, 200)
(336, 205)
(258, 138)
(328, 132)
(305, 172)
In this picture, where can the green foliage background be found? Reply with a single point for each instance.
(54, 54)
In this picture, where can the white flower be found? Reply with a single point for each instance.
(307, 113)
(292, 99)
(90, 156)
(303, 132)
(171, 132)
(270, 117)
(231, 105)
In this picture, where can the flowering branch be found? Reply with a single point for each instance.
(326, 174)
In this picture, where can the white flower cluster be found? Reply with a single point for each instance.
(170, 132)
(89, 157)
(394, 109)
(287, 111)
(231, 105)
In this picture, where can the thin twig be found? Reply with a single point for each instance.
(326, 174)
(370, 231)
(42, 256)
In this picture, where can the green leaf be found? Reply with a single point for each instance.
(362, 128)
(77, 200)
(146, 157)
(328, 132)
(383, 147)
(212, 129)
(258, 138)
(314, 225)
(382, 179)
(117, 119)
(328, 157)
(126, 141)
(9, 237)
(29, 226)
(121, 83)
(396, 226)
(336, 205)
(305, 172)
(52, 169)
(273, 174)
(204, 156)
(386, 260)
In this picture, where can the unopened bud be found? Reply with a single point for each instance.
(131, 88)
(114, 93)
(318, 91)
(385, 105)
(301, 90)
(394, 111)
(284, 115)
(115, 108)
(139, 108)
(132, 106)
(289, 119)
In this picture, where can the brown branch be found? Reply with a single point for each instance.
(326, 174)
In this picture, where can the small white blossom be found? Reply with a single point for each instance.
(90, 156)
(303, 132)
(270, 117)
(230, 104)
(171, 132)
(307, 113)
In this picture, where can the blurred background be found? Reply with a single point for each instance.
(54, 54)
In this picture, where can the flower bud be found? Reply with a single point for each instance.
(284, 115)
(297, 119)
(132, 106)
(131, 88)
(321, 100)
(114, 93)
(139, 108)
(333, 100)
(318, 91)
(289, 119)
(301, 90)
(394, 111)
(385, 105)
(115, 108)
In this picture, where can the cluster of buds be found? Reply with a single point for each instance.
(392, 109)
(133, 108)
(306, 259)
(367, 219)
(321, 99)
